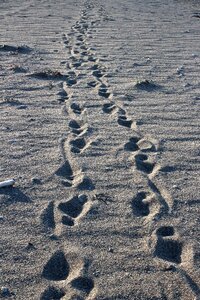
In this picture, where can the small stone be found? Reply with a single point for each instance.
(110, 250)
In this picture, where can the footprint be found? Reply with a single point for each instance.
(74, 125)
(84, 284)
(77, 145)
(67, 221)
(92, 83)
(169, 250)
(76, 108)
(97, 73)
(85, 184)
(167, 246)
(66, 172)
(57, 267)
(103, 91)
(132, 144)
(73, 207)
(123, 121)
(142, 164)
(108, 107)
(63, 96)
(52, 293)
(140, 206)
(165, 231)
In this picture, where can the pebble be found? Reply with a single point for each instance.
(110, 250)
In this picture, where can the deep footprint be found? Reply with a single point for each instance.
(77, 145)
(168, 249)
(73, 207)
(139, 206)
(65, 171)
(132, 144)
(142, 164)
(122, 120)
(57, 268)
(103, 91)
(165, 231)
(76, 108)
(108, 107)
(83, 284)
(52, 293)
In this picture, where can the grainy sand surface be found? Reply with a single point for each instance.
(99, 126)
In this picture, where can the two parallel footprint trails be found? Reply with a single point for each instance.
(68, 276)
(69, 280)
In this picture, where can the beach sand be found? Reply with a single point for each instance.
(99, 127)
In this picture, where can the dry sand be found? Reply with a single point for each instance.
(99, 126)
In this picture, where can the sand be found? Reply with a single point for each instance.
(99, 127)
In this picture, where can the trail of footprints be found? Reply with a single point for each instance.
(148, 205)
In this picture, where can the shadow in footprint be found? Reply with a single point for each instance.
(65, 171)
(83, 284)
(108, 107)
(132, 144)
(77, 145)
(97, 74)
(86, 184)
(103, 91)
(73, 207)
(57, 268)
(169, 250)
(76, 108)
(122, 120)
(67, 221)
(75, 127)
(52, 293)
(92, 83)
(139, 206)
(165, 231)
(142, 164)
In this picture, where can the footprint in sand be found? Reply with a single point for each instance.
(76, 128)
(109, 107)
(76, 108)
(140, 205)
(78, 145)
(97, 73)
(103, 91)
(52, 293)
(132, 144)
(66, 172)
(58, 268)
(124, 121)
(142, 163)
(74, 208)
(167, 246)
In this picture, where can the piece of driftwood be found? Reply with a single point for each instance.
(7, 183)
